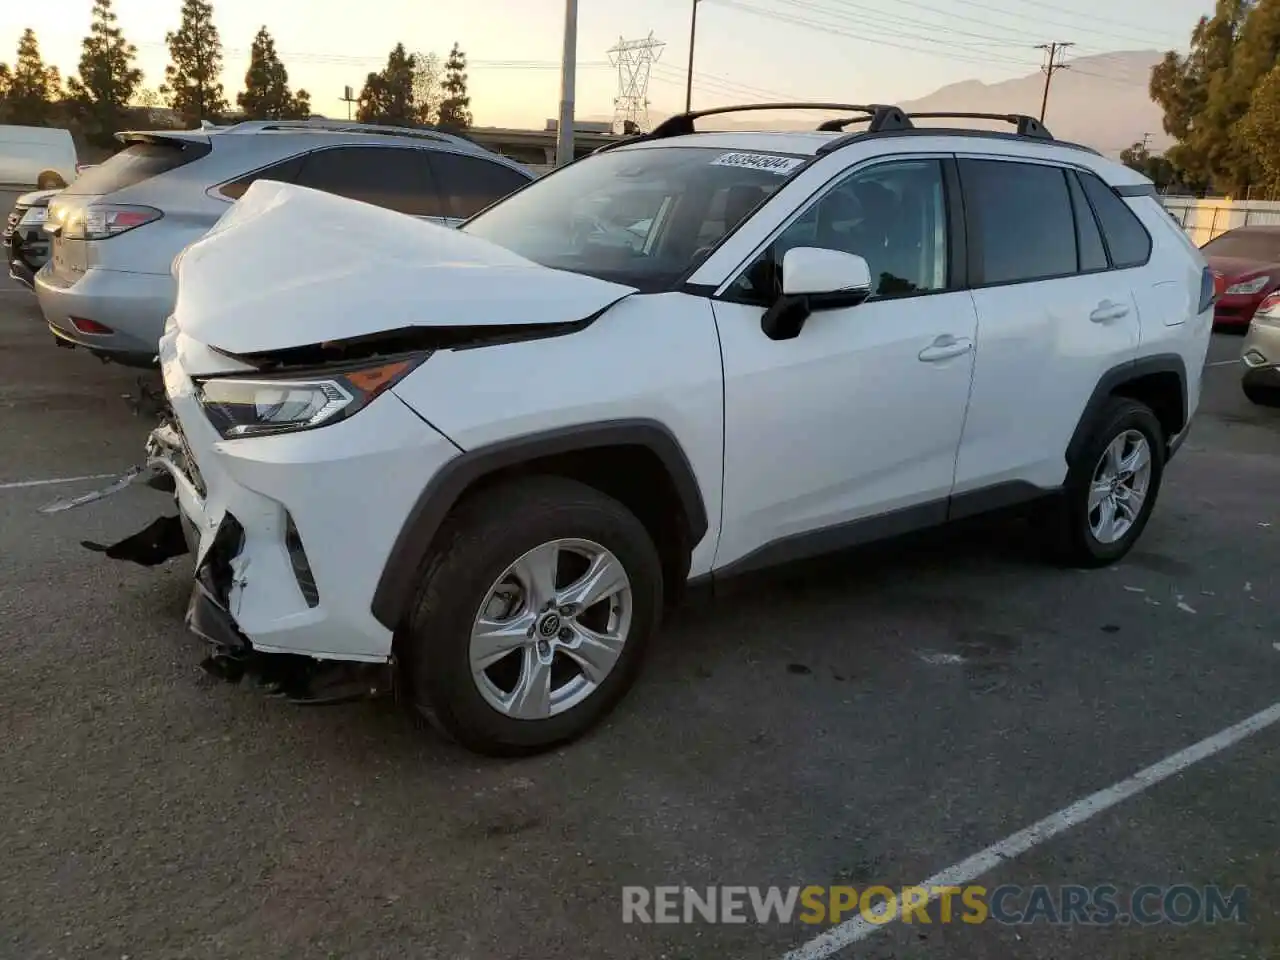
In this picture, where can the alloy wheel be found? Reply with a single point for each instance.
(550, 629)
(1121, 482)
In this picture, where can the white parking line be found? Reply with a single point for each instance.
(859, 928)
(19, 484)
(1222, 363)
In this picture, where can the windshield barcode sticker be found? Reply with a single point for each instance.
(758, 161)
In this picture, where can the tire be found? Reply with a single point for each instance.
(484, 537)
(1075, 539)
(1262, 396)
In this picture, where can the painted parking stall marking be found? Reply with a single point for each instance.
(768, 162)
(23, 484)
(860, 928)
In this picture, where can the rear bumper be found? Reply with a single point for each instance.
(1260, 353)
(134, 305)
(25, 256)
(22, 273)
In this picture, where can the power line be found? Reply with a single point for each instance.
(859, 15)
(864, 36)
(1042, 21)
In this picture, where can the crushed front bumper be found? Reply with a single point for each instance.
(289, 533)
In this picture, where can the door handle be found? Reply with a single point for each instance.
(945, 347)
(1107, 311)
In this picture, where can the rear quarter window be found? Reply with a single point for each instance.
(285, 172)
(134, 164)
(1126, 238)
(470, 184)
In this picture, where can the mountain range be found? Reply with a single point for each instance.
(1100, 101)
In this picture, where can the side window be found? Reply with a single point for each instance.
(286, 172)
(1022, 216)
(1093, 255)
(391, 177)
(893, 215)
(1127, 239)
(469, 184)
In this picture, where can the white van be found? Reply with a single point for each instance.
(40, 157)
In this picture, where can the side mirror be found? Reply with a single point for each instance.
(815, 279)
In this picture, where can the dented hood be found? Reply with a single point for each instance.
(288, 266)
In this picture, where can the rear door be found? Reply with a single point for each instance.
(397, 178)
(1053, 317)
(469, 184)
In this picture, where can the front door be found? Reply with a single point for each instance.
(858, 418)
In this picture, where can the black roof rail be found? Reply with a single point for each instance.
(682, 124)
(881, 116)
(1026, 126)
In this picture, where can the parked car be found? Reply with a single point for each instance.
(40, 157)
(118, 228)
(1248, 261)
(1261, 354)
(488, 458)
(25, 244)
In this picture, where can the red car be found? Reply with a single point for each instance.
(1246, 268)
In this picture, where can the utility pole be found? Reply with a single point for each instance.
(693, 36)
(1146, 141)
(1054, 63)
(564, 127)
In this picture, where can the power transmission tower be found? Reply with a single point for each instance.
(1054, 63)
(1146, 141)
(634, 60)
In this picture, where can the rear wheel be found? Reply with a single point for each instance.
(533, 616)
(1112, 486)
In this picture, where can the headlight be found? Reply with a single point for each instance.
(256, 406)
(1248, 286)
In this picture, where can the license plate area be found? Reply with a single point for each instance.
(69, 256)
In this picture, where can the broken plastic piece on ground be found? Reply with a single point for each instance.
(139, 474)
(159, 541)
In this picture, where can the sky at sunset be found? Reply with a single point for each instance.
(868, 50)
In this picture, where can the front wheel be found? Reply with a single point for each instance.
(1112, 486)
(533, 616)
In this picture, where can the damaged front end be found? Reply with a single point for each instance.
(219, 570)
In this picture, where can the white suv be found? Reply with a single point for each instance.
(487, 459)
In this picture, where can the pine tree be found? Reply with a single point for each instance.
(108, 79)
(455, 107)
(33, 87)
(266, 93)
(387, 96)
(191, 79)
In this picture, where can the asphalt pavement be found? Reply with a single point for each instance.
(875, 721)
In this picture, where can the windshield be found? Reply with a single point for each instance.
(642, 217)
(1246, 245)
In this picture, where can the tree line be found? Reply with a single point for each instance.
(107, 94)
(1221, 103)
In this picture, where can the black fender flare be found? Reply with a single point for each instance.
(1117, 376)
(398, 581)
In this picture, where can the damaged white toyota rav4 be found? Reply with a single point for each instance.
(484, 461)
